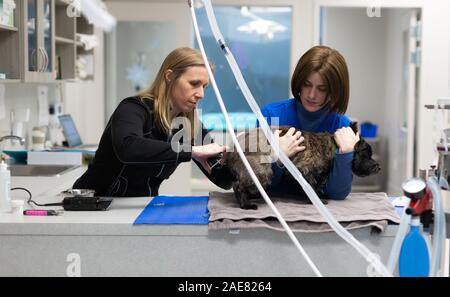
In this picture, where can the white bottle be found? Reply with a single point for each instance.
(5, 187)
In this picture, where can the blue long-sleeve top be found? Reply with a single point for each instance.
(291, 113)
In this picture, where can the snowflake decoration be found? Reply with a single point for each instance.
(138, 75)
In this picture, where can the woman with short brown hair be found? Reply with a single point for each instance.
(320, 85)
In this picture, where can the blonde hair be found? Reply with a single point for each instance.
(179, 60)
(331, 66)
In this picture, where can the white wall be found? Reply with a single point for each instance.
(392, 96)
(20, 95)
(361, 40)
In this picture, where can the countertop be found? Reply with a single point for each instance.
(117, 220)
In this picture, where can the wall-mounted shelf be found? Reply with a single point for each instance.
(85, 58)
(63, 40)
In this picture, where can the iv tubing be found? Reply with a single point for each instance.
(363, 250)
(401, 233)
(240, 152)
(439, 227)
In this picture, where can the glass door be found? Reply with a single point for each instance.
(39, 18)
(31, 29)
(47, 47)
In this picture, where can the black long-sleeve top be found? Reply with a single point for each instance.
(134, 156)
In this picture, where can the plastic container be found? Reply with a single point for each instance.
(369, 130)
(17, 207)
(5, 188)
(414, 259)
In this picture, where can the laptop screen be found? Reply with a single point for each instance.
(69, 130)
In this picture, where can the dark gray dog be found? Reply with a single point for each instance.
(314, 162)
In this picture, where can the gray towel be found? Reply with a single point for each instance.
(358, 210)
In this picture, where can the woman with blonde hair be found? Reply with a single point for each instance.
(140, 147)
(320, 85)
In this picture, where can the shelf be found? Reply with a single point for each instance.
(80, 46)
(62, 40)
(8, 28)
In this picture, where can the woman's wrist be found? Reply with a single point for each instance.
(345, 150)
(194, 152)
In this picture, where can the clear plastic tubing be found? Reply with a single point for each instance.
(240, 152)
(363, 250)
(401, 233)
(439, 227)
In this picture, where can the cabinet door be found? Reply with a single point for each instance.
(47, 39)
(30, 20)
(38, 18)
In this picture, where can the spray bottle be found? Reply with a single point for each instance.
(414, 259)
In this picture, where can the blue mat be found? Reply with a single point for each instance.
(175, 210)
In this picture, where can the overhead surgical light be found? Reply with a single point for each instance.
(260, 26)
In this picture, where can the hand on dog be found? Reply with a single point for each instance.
(346, 139)
(202, 153)
(290, 143)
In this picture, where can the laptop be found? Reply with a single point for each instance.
(71, 134)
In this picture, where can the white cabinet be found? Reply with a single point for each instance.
(41, 44)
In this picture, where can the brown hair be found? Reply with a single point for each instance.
(179, 60)
(331, 66)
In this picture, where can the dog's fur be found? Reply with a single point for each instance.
(314, 162)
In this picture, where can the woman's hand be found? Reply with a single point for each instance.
(290, 142)
(346, 139)
(203, 152)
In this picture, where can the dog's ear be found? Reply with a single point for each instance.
(354, 126)
(362, 148)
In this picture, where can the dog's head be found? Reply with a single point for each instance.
(363, 164)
